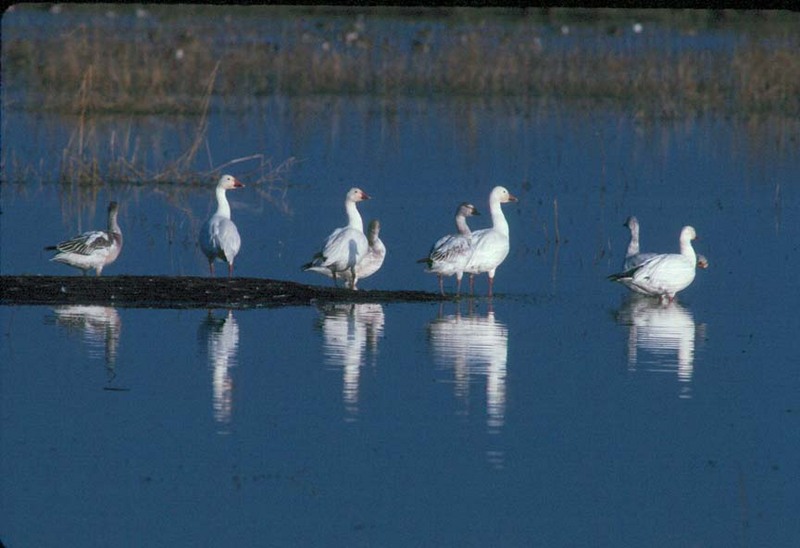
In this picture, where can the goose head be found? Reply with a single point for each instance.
(467, 210)
(229, 182)
(632, 223)
(688, 234)
(355, 194)
(501, 195)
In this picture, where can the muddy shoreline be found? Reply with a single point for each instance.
(187, 292)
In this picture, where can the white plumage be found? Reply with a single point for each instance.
(94, 249)
(663, 275)
(219, 237)
(370, 264)
(345, 247)
(450, 253)
(634, 257)
(490, 246)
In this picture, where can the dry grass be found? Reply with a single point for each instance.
(182, 61)
(93, 156)
(164, 68)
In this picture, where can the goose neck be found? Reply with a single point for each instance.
(688, 251)
(223, 207)
(353, 216)
(461, 225)
(633, 246)
(113, 225)
(498, 218)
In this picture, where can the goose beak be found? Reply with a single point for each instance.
(512, 198)
(237, 183)
(364, 195)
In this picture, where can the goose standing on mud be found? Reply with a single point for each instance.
(449, 255)
(94, 249)
(372, 261)
(219, 237)
(345, 247)
(663, 275)
(490, 246)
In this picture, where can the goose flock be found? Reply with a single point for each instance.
(349, 254)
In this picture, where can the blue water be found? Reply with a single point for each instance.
(562, 412)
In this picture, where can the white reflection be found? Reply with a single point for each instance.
(222, 336)
(349, 331)
(475, 347)
(661, 338)
(100, 327)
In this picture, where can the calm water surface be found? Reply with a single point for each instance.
(563, 412)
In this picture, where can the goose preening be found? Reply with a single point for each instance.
(93, 249)
(219, 237)
(490, 246)
(345, 247)
(663, 275)
(370, 264)
(449, 255)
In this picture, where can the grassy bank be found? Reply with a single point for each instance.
(160, 59)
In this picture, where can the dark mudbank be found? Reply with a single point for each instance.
(186, 292)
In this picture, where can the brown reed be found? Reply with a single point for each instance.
(480, 53)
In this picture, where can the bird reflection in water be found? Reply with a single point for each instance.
(661, 338)
(100, 327)
(222, 337)
(350, 333)
(475, 347)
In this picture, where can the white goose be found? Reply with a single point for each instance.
(490, 246)
(449, 255)
(219, 237)
(345, 247)
(663, 275)
(372, 261)
(633, 257)
(94, 249)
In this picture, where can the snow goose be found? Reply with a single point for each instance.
(219, 237)
(490, 245)
(94, 249)
(663, 275)
(633, 257)
(372, 260)
(345, 247)
(449, 255)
